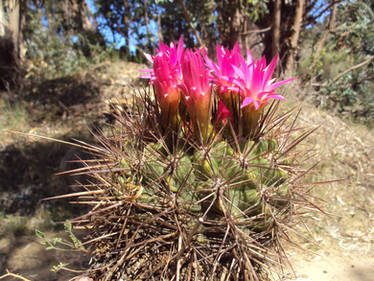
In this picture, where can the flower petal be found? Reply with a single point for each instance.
(247, 101)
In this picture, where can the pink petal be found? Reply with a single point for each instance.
(239, 72)
(249, 57)
(180, 47)
(247, 101)
(280, 83)
(146, 76)
(270, 69)
(276, 97)
(149, 57)
(223, 112)
(257, 104)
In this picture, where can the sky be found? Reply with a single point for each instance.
(120, 40)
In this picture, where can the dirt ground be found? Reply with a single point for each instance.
(341, 241)
(335, 267)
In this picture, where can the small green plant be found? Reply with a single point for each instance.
(59, 243)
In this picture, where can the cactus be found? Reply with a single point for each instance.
(205, 196)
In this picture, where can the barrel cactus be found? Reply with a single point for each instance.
(199, 180)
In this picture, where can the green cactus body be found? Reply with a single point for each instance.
(195, 176)
(181, 178)
(245, 200)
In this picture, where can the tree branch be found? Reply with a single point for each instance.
(256, 31)
(188, 19)
(9, 274)
(353, 68)
(344, 73)
(323, 39)
(327, 8)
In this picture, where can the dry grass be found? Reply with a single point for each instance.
(344, 152)
(12, 117)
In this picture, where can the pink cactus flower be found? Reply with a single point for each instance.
(254, 79)
(174, 55)
(166, 76)
(223, 73)
(197, 91)
(256, 83)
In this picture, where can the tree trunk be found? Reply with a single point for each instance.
(85, 14)
(3, 21)
(230, 24)
(22, 20)
(276, 28)
(90, 13)
(16, 21)
(323, 39)
(235, 28)
(146, 18)
(159, 28)
(188, 19)
(296, 26)
(67, 14)
(51, 18)
(14, 25)
(276, 31)
(11, 43)
(126, 22)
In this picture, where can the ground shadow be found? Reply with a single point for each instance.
(67, 91)
(28, 173)
(28, 168)
(56, 99)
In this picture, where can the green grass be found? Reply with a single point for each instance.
(12, 117)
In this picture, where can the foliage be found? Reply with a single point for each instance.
(212, 19)
(122, 19)
(351, 97)
(13, 225)
(350, 49)
(57, 46)
(59, 243)
(13, 117)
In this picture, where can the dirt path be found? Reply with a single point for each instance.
(334, 267)
(344, 237)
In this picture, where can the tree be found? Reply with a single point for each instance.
(254, 24)
(341, 65)
(294, 38)
(16, 10)
(12, 50)
(321, 43)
